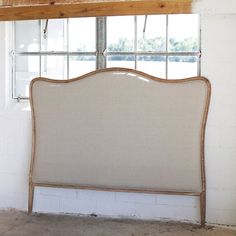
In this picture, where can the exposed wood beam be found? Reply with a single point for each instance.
(95, 8)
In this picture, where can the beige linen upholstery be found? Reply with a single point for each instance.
(119, 129)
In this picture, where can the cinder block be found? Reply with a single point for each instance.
(95, 196)
(224, 159)
(13, 200)
(180, 201)
(208, 8)
(216, 179)
(221, 200)
(120, 209)
(13, 183)
(58, 192)
(227, 36)
(2, 137)
(154, 212)
(191, 214)
(226, 217)
(70, 205)
(136, 198)
(46, 203)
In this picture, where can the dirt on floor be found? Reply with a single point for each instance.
(16, 223)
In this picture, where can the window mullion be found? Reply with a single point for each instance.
(13, 61)
(199, 46)
(135, 42)
(67, 49)
(167, 44)
(40, 47)
(101, 42)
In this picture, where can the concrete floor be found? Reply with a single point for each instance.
(17, 223)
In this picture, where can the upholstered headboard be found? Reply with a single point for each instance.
(119, 129)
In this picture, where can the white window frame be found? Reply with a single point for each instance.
(101, 52)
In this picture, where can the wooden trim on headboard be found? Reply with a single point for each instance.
(86, 8)
(201, 194)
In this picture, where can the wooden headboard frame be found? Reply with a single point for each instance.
(201, 194)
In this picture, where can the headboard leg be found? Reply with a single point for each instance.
(203, 208)
(30, 198)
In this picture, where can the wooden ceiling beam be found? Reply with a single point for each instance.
(95, 8)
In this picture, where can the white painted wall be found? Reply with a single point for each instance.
(218, 64)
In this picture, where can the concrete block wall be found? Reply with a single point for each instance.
(218, 64)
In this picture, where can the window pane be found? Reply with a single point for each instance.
(153, 65)
(82, 34)
(180, 67)
(26, 68)
(120, 33)
(121, 61)
(80, 65)
(55, 38)
(27, 36)
(54, 67)
(154, 37)
(183, 33)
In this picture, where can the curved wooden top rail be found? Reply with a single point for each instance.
(124, 70)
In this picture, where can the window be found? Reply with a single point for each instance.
(166, 46)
